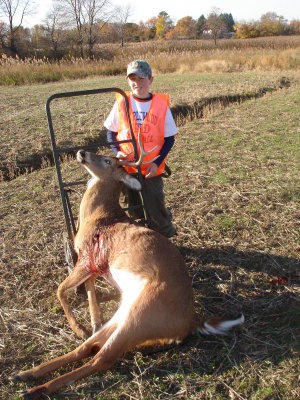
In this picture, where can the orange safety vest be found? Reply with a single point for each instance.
(152, 129)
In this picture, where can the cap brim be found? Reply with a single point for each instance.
(138, 73)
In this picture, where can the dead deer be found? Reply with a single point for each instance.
(157, 298)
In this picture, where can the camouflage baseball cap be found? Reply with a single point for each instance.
(140, 68)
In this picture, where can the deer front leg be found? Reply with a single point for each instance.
(93, 304)
(78, 276)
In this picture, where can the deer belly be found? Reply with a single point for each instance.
(131, 286)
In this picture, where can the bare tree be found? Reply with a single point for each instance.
(14, 11)
(3, 35)
(215, 24)
(72, 10)
(86, 16)
(122, 14)
(95, 12)
(54, 24)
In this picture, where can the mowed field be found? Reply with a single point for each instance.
(234, 193)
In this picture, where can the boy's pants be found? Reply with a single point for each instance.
(154, 192)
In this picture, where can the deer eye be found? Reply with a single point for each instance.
(107, 161)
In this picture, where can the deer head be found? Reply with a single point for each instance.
(106, 169)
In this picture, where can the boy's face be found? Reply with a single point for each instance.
(139, 86)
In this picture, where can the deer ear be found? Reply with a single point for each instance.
(131, 182)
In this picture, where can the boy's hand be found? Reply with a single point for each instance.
(151, 171)
(121, 155)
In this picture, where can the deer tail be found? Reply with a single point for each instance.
(219, 326)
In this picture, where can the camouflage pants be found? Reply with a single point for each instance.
(154, 191)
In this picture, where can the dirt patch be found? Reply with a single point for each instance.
(183, 113)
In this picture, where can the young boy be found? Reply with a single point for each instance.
(152, 114)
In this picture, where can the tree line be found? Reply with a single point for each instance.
(75, 28)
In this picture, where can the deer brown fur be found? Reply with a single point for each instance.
(157, 299)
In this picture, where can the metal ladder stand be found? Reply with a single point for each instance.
(64, 187)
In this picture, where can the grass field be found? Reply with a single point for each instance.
(23, 124)
(234, 193)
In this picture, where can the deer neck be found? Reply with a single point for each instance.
(101, 202)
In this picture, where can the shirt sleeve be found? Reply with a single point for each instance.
(112, 121)
(170, 126)
(112, 137)
(168, 144)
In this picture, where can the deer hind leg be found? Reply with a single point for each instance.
(87, 349)
(121, 340)
(78, 275)
(93, 304)
(133, 327)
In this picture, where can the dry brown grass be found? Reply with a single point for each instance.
(234, 193)
(198, 56)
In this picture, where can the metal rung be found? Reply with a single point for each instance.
(76, 183)
(89, 146)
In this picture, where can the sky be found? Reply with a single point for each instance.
(240, 10)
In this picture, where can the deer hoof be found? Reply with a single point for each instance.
(25, 395)
(34, 394)
(19, 378)
(16, 379)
